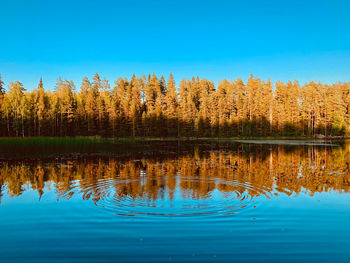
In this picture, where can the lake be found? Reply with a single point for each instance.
(244, 202)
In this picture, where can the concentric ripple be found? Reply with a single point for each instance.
(170, 195)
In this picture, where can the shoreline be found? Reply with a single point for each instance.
(182, 138)
(57, 147)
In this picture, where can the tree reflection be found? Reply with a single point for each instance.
(274, 169)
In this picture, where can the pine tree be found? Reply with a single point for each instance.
(241, 105)
(267, 108)
(99, 110)
(171, 108)
(186, 108)
(121, 100)
(2, 93)
(153, 107)
(104, 101)
(91, 106)
(42, 107)
(15, 102)
(206, 89)
(83, 108)
(135, 103)
(67, 106)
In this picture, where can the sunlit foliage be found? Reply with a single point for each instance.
(153, 106)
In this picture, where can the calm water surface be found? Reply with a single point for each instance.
(248, 203)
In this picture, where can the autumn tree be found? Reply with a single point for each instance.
(41, 106)
(241, 105)
(152, 106)
(171, 112)
(2, 93)
(83, 118)
(205, 107)
(15, 108)
(66, 105)
(135, 103)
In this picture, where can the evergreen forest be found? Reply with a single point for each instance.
(157, 107)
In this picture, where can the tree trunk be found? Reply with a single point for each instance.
(39, 124)
(22, 127)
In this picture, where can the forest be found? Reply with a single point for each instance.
(153, 106)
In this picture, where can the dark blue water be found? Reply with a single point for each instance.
(270, 205)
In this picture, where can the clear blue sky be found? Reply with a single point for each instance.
(281, 40)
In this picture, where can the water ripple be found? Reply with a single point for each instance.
(136, 197)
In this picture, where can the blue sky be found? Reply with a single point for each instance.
(280, 40)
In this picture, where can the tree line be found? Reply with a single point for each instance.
(153, 106)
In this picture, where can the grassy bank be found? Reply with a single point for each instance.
(51, 147)
(44, 146)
